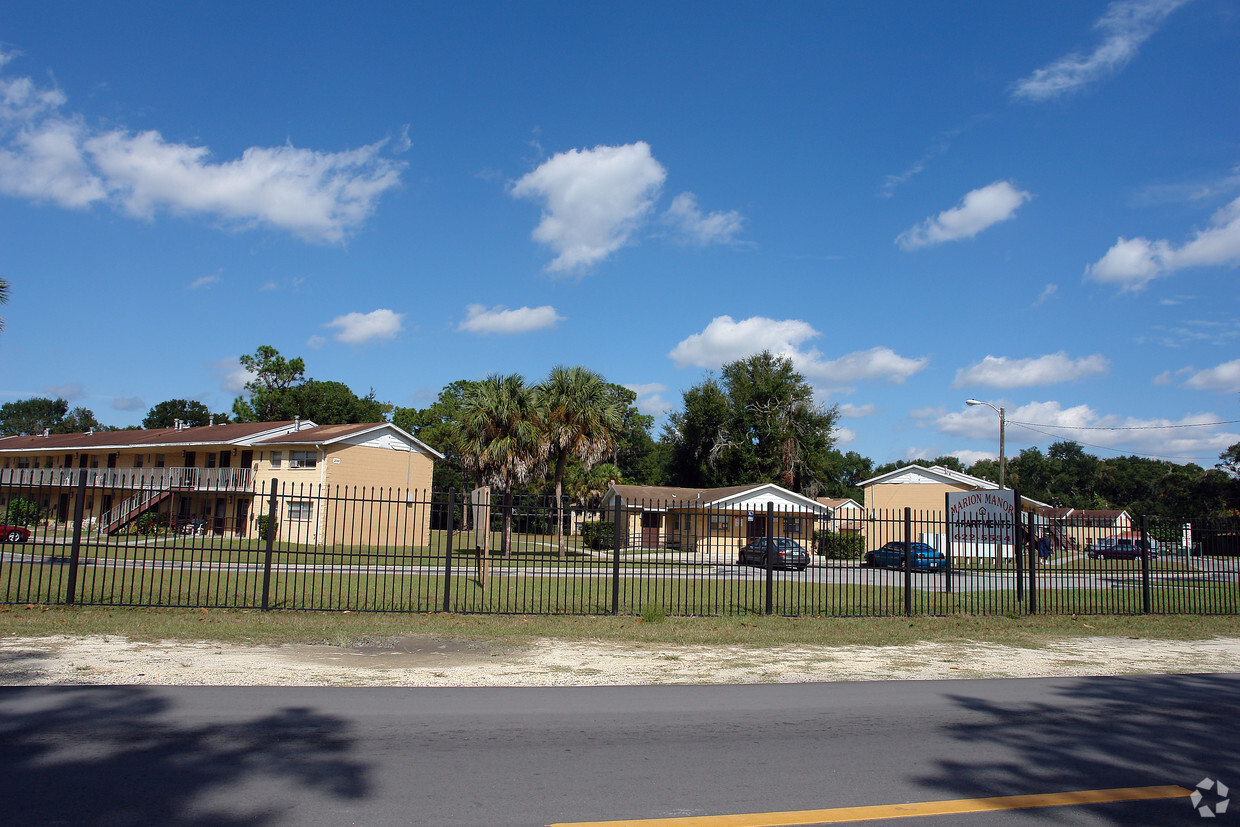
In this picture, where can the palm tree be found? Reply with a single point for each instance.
(581, 418)
(499, 435)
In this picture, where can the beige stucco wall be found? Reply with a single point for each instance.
(370, 496)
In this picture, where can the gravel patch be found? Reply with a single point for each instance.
(427, 661)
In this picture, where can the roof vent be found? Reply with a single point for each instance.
(212, 420)
(297, 423)
(46, 431)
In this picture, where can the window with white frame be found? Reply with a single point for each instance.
(718, 522)
(791, 526)
(299, 511)
(277, 457)
(301, 459)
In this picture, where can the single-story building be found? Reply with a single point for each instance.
(1076, 528)
(847, 515)
(220, 475)
(924, 490)
(716, 521)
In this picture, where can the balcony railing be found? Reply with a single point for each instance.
(203, 479)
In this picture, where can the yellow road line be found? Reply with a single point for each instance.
(840, 815)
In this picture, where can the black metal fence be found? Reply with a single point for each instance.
(302, 547)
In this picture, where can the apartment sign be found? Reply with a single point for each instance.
(982, 516)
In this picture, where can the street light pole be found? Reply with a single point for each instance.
(1002, 424)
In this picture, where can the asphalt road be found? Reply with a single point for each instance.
(221, 756)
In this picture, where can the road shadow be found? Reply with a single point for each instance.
(119, 756)
(1096, 733)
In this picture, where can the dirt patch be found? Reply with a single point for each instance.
(430, 661)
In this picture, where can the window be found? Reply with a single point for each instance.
(277, 457)
(159, 460)
(675, 522)
(23, 462)
(211, 460)
(299, 511)
(718, 522)
(137, 461)
(301, 459)
(791, 526)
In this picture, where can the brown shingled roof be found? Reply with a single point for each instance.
(224, 434)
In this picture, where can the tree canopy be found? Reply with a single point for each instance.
(279, 391)
(191, 412)
(28, 417)
(756, 423)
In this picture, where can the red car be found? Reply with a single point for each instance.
(14, 533)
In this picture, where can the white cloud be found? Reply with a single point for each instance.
(593, 201)
(128, 403)
(231, 375)
(650, 399)
(69, 392)
(1124, 27)
(726, 340)
(970, 457)
(712, 228)
(1189, 438)
(1224, 378)
(316, 342)
(1133, 263)
(204, 281)
(499, 319)
(1047, 292)
(1002, 372)
(357, 328)
(978, 210)
(843, 436)
(851, 411)
(49, 156)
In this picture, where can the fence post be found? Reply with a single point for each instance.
(269, 544)
(947, 530)
(908, 560)
(1018, 549)
(1145, 567)
(770, 552)
(616, 528)
(1033, 571)
(75, 550)
(447, 557)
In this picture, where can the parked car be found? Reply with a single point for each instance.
(789, 554)
(1119, 548)
(925, 556)
(14, 533)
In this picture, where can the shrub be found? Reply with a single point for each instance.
(653, 614)
(264, 521)
(598, 534)
(837, 546)
(147, 524)
(23, 512)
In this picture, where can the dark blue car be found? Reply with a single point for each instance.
(925, 556)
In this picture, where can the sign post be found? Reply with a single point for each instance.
(480, 507)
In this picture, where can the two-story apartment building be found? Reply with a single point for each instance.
(218, 475)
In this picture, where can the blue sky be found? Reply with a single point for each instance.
(1036, 204)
